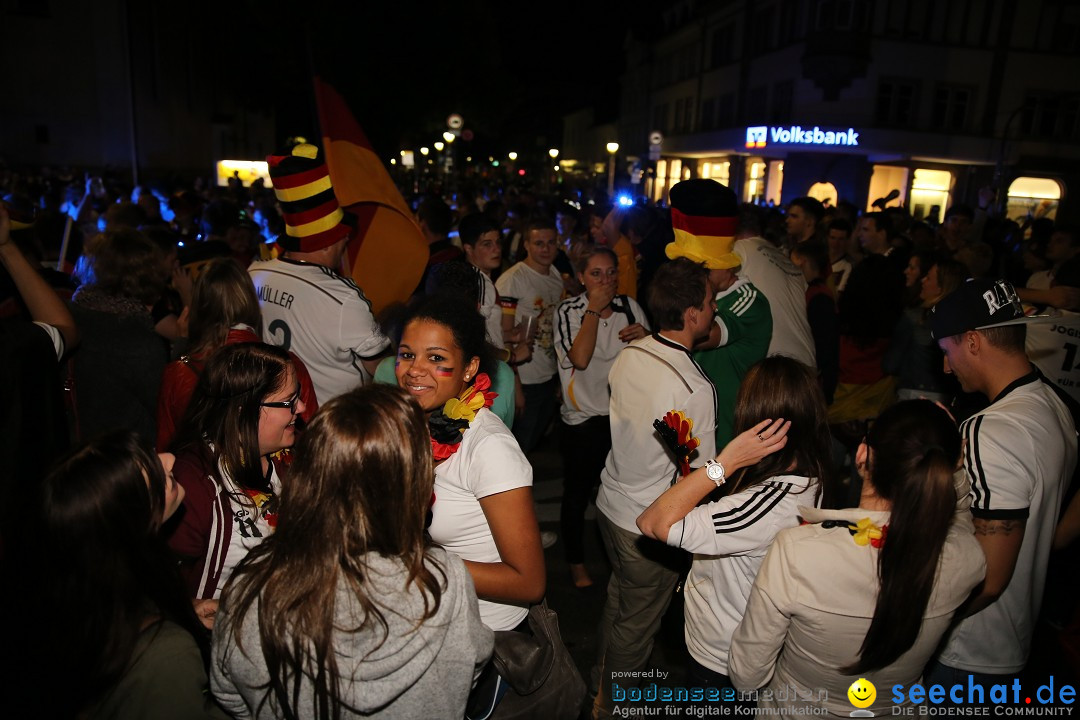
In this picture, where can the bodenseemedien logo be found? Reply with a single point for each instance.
(862, 695)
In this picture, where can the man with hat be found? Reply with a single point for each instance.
(308, 307)
(703, 216)
(1020, 454)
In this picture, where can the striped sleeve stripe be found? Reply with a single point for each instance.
(745, 302)
(980, 488)
(564, 323)
(759, 506)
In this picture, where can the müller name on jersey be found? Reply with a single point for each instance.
(275, 297)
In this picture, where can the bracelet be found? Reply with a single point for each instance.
(592, 312)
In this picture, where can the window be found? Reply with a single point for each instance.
(823, 192)
(757, 104)
(660, 113)
(723, 45)
(930, 194)
(788, 28)
(782, 101)
(761, 38)
(708, 114)
(897, 102)
(725, 110)
(842, 15)
(1031, 195)
(1049, 116)
(951, 108)
(1059, 26)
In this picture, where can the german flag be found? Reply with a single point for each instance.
(388, 253)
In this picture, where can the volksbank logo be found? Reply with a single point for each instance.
(797, 135)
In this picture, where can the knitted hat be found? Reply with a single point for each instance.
(976, 305)
(703, 215)
(313, 219)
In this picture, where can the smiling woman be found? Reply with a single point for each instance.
(483, 509)
(244, 410)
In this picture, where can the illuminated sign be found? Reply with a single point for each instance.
(759, 135)
(246, 170)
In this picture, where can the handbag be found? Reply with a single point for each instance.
(544, 681)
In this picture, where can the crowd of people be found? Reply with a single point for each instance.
(847, 438)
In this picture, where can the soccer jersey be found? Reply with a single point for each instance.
(585, 392)
(649, 378)
(1054, 347)
(783, 284)
(488, 462)
(491, 309)
(1019, 457)
(537, 295)
(322, 317)
(729, 539)
(745, 331)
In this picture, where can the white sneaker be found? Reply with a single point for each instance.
(548, 538)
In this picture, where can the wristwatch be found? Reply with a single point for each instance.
(715, 471)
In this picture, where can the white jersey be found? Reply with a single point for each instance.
(491, 310)
(535, 295)
(585, 392)
(651, 377)
(1019, 458)
(251, 524)
(488, 462)
(1053, 346)
(322, 317)
(729, 539)
(784, 286)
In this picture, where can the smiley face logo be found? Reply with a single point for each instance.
(862, 694)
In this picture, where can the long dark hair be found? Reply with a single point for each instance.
(101, 510)
(780, 387)
(916, 449)
(225, 410)
(361, 483)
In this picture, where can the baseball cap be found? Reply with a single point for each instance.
(975, 305)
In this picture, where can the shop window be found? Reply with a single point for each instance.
(930, 192)
(774, 185)
(660, 182)
(883, 181)
(718, 171)
(824, 192)
(754, 189)
(1038, 197)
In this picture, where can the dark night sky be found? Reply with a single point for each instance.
(511, 69)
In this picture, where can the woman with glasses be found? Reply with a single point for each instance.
(243, 411)
(590, 330)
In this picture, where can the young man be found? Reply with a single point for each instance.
(307, 306)
(703, 215)
(803, 217)
(480, 241)
(533, 287)
(1020, 455)
(651, 377)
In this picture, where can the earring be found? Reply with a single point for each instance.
(466, 376)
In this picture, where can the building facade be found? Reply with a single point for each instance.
(856, 100)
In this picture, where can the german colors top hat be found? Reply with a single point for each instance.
(703, 216)
(313, 218)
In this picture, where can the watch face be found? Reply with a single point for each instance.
(714, 471)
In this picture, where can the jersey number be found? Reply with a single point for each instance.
(1070, 357)
(286, 334)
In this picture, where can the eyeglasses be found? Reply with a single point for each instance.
(289, 404)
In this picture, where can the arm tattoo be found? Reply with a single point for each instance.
(998, 527)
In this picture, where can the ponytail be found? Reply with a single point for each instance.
(912, 468)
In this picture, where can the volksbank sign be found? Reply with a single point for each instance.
(798, 135)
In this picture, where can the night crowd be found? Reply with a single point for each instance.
(233, 488)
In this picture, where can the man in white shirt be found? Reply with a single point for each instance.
(533, 287)
(308, 307)
(651, 377)
(1020, 455)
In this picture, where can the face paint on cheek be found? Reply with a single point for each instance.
(443, 371)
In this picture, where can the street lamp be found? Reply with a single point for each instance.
(512, 155)
(424, 151)
(439, 145)
(448, 137)
(554, 153)
(612, 148)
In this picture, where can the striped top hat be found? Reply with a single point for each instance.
(313, 218)
(703, 216)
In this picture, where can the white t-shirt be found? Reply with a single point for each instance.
(784, 286)
(488, 462)
(1020, 454)
(729, 539)
(585, 392)
(491, 310)
(1054, 347)
(249, 521)
(322, 317)
(651, 377)
(536, 295)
